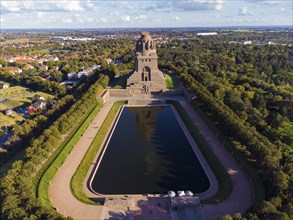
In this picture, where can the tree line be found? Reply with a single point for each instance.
(241, 95)
(17, 196)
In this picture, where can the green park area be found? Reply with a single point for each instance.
(171, 81)
(15, 97)
(7, 121)
(120, 82)
(18, 96)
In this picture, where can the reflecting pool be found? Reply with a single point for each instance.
(148, 153)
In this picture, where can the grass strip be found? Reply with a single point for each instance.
(225, 182)
(43, 178)
(171, 81)
(83, 168)
(235, 149)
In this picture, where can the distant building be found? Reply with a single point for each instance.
(247, 42)
(28, 67)
(207, 34)
(36, 106)
(54, 58)
(74, 56)
(109, 60)
(12, 70)
(43, 67)
(46, 75)
(41, 60)
(8, 111)
(3, 86)
(71, 75)
(37, 97)
(56, 68)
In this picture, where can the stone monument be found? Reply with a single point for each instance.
(146, 77)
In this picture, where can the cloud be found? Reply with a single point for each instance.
(90, 6)
(67, 20)
(114, 13)
(244, 11)
(23, 6)
(40, 14)
(101, 20)
(10, 6)
(194, 5)
(125, 18)
(264, 2)
(283, 10)
(141, 17)
(172, 5)
(176, 18)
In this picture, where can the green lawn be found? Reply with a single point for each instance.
(171, 81)
(8, 121)
(17, 102)
(119, 82)
(23, 99)
(13, 90)
(2, 107)
(43, 51)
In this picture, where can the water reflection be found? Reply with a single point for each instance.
(148, 152)
(146, 119)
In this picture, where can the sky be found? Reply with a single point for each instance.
(146, 14)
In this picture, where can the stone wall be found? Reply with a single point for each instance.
(105, 96)
(145, 102)
(119, 92)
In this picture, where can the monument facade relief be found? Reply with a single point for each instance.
(146, 77)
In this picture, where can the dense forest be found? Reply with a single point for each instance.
(247, 92)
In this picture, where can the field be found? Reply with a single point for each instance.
(12, 91)
(8, 121)
(18, 96)
(15, 41)
(15, 97)
(20, 41)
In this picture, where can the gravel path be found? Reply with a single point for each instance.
(241, 197)
(59, 191)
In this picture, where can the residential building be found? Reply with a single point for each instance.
(12, 69)
(3, 86)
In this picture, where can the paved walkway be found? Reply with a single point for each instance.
(145, 207)
(241, 197)
(59, 191)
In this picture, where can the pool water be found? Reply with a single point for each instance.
(148, 153)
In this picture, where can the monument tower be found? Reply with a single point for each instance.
(146, 76)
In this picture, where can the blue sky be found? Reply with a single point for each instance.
(154, 13)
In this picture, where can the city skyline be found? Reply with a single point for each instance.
(144, 14)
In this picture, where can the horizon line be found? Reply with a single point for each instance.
(123, 28)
